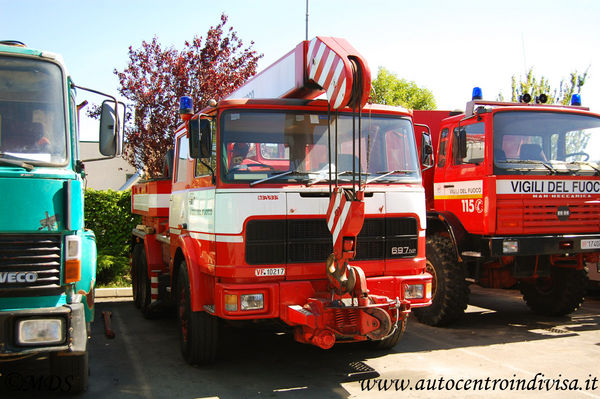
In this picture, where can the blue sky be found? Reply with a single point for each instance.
(445, 46)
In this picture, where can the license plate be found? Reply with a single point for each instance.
(590, 244)
(269, 272)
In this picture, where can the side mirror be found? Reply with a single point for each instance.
(462, 143)
(200, 138)
(111, 128)
(426, 150)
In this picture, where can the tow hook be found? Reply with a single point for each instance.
(396, 305)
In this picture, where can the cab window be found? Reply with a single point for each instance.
(182, 158)
(442, 148)
(475, 137)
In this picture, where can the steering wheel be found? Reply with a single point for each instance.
(251, 164)
(256, 163)
(574, 154)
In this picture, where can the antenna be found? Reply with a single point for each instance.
(306, 20)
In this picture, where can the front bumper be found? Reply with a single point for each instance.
(73, 323)
(543, 244)
(278, 296)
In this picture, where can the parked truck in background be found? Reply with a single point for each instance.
(513, 201)
(47, 257)
(284, 208)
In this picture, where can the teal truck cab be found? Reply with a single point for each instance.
(47, 257)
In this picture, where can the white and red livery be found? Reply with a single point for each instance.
(284, 207)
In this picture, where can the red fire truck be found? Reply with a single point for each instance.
(513, 200)
(286, 207)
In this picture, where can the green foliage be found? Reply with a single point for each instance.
(536, 86)
(113, 270)
(108, 214)
(388, 89)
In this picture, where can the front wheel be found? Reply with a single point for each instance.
(557, 295)
(450, 290)
(198, 331)
(143, 298)
(135, 278)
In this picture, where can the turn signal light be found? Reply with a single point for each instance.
(72, 271)
(231, 303)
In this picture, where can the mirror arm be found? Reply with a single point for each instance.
(97, 159)
(212, 171)
(425, 126)
(423, 149)
(117, 122)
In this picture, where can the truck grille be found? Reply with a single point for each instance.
(309, 240)
(542, 216)
(25, 256)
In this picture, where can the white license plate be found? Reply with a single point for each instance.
(590, 244)
(273, 271)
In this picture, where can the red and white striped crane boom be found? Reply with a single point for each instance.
(323, 65)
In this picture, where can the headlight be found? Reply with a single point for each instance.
(252, 302)
(510, 246)
(413, 291)
(40, 332)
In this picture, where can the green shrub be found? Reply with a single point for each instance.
(108, 214)
(113, 270)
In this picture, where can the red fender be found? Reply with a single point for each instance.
(200, 274)
(153, 253)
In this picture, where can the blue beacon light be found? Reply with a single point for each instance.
(477, 93)
(576, 99)
(186, 105)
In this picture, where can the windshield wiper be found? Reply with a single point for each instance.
(271, 178)
(386, 173)
(534, 162)
(324, 178)
(15, 162)
(591, 165)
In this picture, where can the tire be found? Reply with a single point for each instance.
(450, 290)
(392, 340)
(198, 331)
(73, 371)
(144, 289)
(558, 295)
(135, 266)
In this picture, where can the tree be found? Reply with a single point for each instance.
(157, 77)
(535, 87)
(561, 95)
(388, 89)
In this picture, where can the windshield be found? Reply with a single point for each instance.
(546, 142)
(291, 146)
(32, 113)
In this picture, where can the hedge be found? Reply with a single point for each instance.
(108, 214)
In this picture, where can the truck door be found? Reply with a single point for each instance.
(178, 212)
(459, 183)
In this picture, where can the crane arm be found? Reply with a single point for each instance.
(323, 65)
